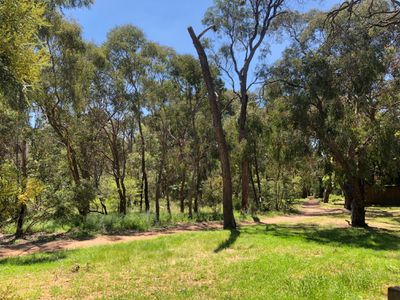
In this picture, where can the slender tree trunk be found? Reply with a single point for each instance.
(145, 183)
(253, 185)
(168, 204)
(257, 175)
(196, 195)
(243, 139)
(182, 192)
(320, 188)
(122, 194)
(160, 179)
(22, 206)
(192, 194)
(229, 220)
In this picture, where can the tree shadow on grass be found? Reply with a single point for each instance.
(370, 238)
(229, 242)
(39, 258)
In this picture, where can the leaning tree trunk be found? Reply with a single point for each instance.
(229, 219)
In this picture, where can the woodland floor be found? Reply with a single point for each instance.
(310, 212)
(312, 254)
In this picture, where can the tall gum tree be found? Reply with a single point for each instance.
(128, 52)
(229, 219)
(242, 27)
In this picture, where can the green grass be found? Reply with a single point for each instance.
(256, 262)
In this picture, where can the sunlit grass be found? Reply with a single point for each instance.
(256, 262)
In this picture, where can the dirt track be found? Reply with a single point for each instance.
(309, 211)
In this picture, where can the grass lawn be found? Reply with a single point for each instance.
(257, 262)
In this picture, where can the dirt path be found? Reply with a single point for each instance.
(308, 212)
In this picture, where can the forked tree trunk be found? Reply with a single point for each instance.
(229, 220)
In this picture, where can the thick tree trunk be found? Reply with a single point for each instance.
(358, 203)
(348, 197)
(355, 192)
(20, 221)
(327, 191)
(229, 220)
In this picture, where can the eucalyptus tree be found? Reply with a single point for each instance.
(127, 51)
(187, 77)
(342, 89)
(242, 28)
(110, 111)
(215, 106)
(159, 93)
(64, 98)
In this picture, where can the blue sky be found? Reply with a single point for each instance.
(163, 21)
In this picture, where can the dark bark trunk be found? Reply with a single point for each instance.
(145, 183)
(229, 220)
(20, 221)
(355, 193)
(24, 171)
(358, 203)
(320, 188)
(122, 194)
(346, 188)
(243, 139)
(304, 192)
(103, 206)
(168, 205)
(327, 191)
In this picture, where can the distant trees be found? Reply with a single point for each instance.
(341, 90)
